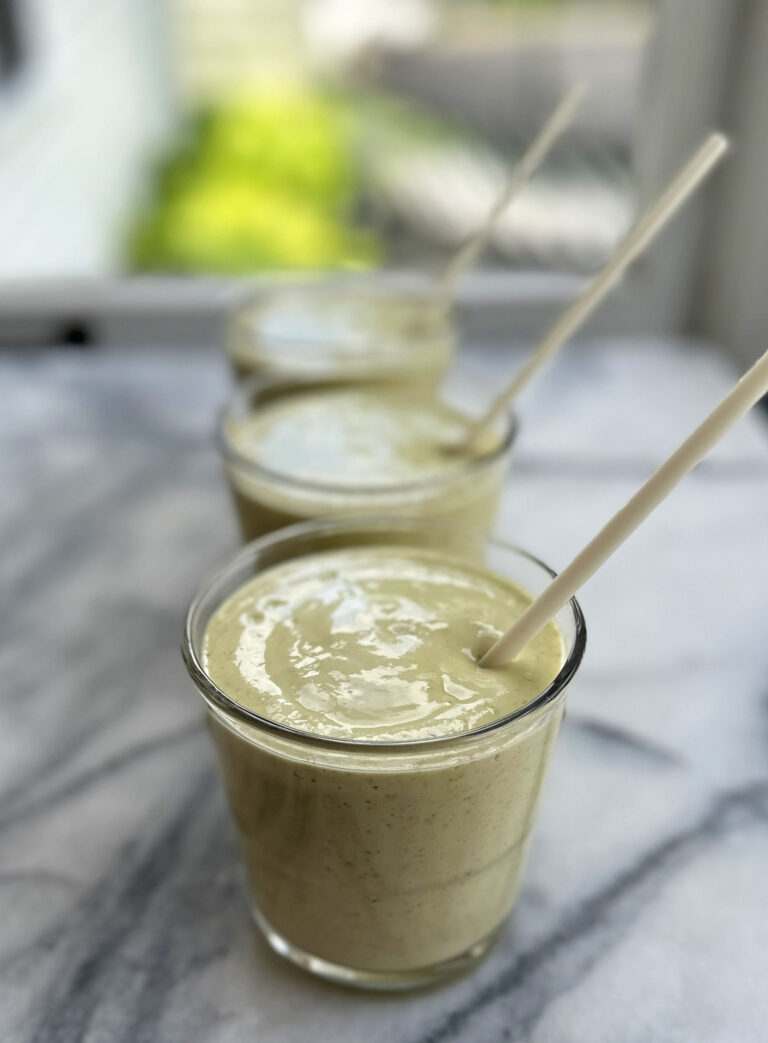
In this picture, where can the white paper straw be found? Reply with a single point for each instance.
(643, 232)
(520, 175)
(752, 386)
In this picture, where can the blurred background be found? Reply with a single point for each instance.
(235, 139)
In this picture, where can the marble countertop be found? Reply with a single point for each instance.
(644, 915)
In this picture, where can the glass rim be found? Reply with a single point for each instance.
(232, 455)
(230, 708)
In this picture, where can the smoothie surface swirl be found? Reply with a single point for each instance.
(376, 644)
(355, 437)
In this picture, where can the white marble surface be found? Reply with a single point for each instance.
(645, 910)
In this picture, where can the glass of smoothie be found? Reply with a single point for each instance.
(294, 450)
(383, 785)
(353, 330)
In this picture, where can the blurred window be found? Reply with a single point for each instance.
(446, 96)
(240, 137)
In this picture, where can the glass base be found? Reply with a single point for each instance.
(381, 981)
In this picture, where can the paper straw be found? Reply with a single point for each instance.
(752, 386)
(643, 232)
(520, 175)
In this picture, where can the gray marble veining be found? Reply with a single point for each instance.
(645, 910)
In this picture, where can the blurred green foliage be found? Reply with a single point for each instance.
(265, 179)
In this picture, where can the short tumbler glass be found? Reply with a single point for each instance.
(267, 499)
(382, 864)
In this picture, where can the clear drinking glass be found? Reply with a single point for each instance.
(382, 864)
(267, 499)
(352, 329)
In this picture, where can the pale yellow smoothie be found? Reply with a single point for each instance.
(392, 860)
(328, 451)
(344, 332)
